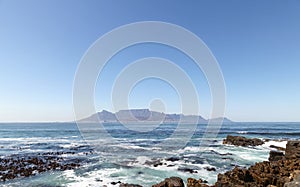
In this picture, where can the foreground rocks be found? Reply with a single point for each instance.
(242, 141)
(191, 182)
(276, 155)
(170, 182)
(296, 180)
(292, 150)
(25, 166)
(262, 174)
(282, 170)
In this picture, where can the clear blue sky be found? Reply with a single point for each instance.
(256, 43)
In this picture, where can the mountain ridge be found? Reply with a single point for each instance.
(146, 115)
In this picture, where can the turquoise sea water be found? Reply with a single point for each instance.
(125, 154)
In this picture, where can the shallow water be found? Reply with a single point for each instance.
(124, 154)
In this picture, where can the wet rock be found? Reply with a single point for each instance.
(242, 141)
(210, 168)
(24, 166)
(275, 156)
(188, 170)
(154, 163)
(115, 183)
(292, 150)
(277, 147)
(170, 165)
(170, 182)
(173, 159)
(158, 164)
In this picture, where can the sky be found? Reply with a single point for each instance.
(256, 44)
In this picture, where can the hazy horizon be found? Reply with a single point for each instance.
(74, 121)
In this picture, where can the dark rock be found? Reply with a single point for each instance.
(277, 147)
(159, 164)
(292, 150)
(170, 182)
(170, 165)
(242, 141)
(188, 170)
(275, 156)
(24, 166)
(154, 163)
(114, 183)
(173, 159)
(191, 182)
(210, 168)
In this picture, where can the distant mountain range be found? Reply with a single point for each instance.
(145, 115)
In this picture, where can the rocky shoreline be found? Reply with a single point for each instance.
(282, 169)
(26, 165)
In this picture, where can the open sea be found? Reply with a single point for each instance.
(134, 156)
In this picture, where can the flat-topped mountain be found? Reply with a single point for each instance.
(223, 119)
(146, 115)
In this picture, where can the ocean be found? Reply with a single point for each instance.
(135, 157)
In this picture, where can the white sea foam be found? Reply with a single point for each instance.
(242, 132)
(131, 146)
(142, 159)
(276, 143)
(93, 178)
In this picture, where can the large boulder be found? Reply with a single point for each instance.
(235, 177)
(275, 156)
(292, 150)
(170, 182)
(242, 141)
(191, 182)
